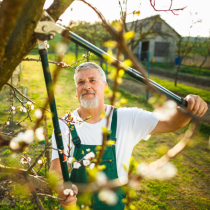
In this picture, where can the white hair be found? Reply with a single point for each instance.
(88, 65)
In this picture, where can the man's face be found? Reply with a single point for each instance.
(90, 88)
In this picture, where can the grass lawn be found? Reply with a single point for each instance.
(190, 189)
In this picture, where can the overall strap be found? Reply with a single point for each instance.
(112, 135)
(75, 138)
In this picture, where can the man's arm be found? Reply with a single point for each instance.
(70, 200)
(195, 105)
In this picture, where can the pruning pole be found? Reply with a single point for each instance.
(128, 70)
(57, 131)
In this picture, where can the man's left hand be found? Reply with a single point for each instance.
(196, 105)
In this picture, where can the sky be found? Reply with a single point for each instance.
(194, 20)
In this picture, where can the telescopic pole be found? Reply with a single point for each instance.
(57, 131)
(130, 71)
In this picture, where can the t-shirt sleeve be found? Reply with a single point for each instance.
(139, 123)
(63, 129)
(143, 124)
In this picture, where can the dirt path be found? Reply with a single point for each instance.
(138, 89)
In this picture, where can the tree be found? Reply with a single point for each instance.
(184, 48)
(95, 33)
(204, 52)
(18, 20)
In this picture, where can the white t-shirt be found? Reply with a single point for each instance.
(133, 124)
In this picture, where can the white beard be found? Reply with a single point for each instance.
(90, 103)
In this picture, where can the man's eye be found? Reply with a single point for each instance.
(80, 82)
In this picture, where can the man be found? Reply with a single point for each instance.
(129, 126)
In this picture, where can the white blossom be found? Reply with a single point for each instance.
(32, 107)
(70, 159)
(89, 156)
(61, 48)
(46, 44)
(76, 165)
(24, 110)
(88, 150)
(13, 108)
(76, 120)
(7, 123)
(40, 162)
(26, 137)
(68, 192)
(101, 178)
(164, 112)
(83, 55)
(38, 113)
(82, 206)
(92, 165)
(19, 137)
(40, 133)
(165, 171)
(14, 145)
(29, 103)
(86, 162)
(25, 160)
(108, 196)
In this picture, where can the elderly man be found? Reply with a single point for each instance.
(128, 125)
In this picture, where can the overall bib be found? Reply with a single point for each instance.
(108, 159)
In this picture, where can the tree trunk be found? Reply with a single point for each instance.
(204, 61)
(17, 29)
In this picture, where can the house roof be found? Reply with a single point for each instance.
(147, 20)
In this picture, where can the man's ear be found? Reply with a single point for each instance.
(105, 84)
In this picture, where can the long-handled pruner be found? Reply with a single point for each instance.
(46, 30)
(41, 32)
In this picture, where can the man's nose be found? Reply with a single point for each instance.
(87, 85)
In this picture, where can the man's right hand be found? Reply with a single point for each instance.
(68, 200)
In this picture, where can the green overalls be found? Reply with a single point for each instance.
(108, 159)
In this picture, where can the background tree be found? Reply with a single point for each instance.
(184, 48)
(94, 33)
(204, 51)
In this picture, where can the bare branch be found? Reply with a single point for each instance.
(41, 154)
(58, 7)
(152, 3)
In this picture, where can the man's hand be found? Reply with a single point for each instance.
(196, 105)
(69, 199)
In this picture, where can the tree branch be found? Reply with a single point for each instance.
(58, 7)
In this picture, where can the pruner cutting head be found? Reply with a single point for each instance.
(46, 28)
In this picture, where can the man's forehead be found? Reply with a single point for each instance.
(88, 73)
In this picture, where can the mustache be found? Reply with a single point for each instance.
(87, 91)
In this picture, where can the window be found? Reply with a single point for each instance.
(161, 48)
